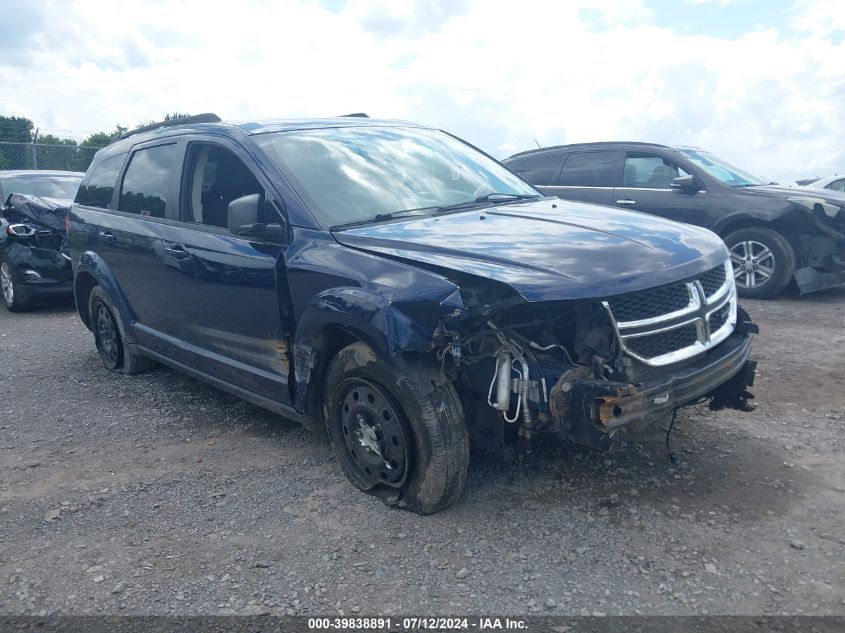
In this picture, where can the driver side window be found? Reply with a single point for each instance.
(214, 176)
(649, 171)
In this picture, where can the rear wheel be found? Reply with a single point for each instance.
(14, 295)
(114, 353)
(399, 435)
(763, 261)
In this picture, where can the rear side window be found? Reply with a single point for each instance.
(538, 169)
(588, 169)
(97, 192)
(147, 180)
(837, 185)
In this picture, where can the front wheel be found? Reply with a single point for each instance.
(398, 434)
(763, 261)
(14, 296)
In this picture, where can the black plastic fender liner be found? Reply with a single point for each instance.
(810, 280)
(734, 393)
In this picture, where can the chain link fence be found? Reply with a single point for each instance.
(69, 157)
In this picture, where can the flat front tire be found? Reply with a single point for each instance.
(763, 261)
(399, 434)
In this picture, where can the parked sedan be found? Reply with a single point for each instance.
(834, 183)
(774, 233)
(61, 185)
(33, 246)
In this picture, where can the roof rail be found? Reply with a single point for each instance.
(360, 115)
(207, 117)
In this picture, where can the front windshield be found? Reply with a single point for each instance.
(722, 170)
(44, 186)
(354, 174)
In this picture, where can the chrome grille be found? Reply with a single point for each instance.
(653, 345)
(650, 303)
(713, 280)
(668, 324)
(720, 317)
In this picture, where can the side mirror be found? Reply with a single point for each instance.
(243, 216)
(243, 213)
(686, 183)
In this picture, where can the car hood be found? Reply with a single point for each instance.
(49, 212)
(779, 191)
(549, 249)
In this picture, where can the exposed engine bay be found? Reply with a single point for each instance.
(33, 240)
(591, 370)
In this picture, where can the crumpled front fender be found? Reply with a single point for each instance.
(390, 324)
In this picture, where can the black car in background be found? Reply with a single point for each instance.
(34, 261)
(774, 233)
(396, 287)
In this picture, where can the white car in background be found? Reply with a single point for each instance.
(836, 183)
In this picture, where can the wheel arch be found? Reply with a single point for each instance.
(91, 272)
(337, 318)
(83, 284)
(734, 224)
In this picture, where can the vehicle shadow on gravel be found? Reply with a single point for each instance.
(792, 295)
(45, 307)
(715, 469)
(721, 466)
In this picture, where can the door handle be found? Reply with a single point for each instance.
(626, 201)
(107, 237)
(177, 251)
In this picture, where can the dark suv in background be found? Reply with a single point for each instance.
(400, 289)
(774, 233)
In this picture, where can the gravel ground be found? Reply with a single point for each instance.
(156, 495)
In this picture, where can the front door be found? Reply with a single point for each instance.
(647, 187)
(227, 297)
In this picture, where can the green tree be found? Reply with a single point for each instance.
(167, 117)
(52, 152)
(15, 129)
(15, 132)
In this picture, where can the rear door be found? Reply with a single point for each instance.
(586, 175)
(647, 186)
(128, 236)
(225, 298)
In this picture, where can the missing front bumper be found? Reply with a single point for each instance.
(598, 412)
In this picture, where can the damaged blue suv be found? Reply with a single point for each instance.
(395, 286)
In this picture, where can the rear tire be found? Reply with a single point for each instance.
(108, 337)
(399, 434)
(763, 261)
(15, 297)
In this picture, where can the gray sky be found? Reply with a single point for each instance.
(760, 83)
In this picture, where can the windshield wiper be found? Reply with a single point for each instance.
(382, 217)
(494, 197)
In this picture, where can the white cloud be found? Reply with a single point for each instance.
(500, 74)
